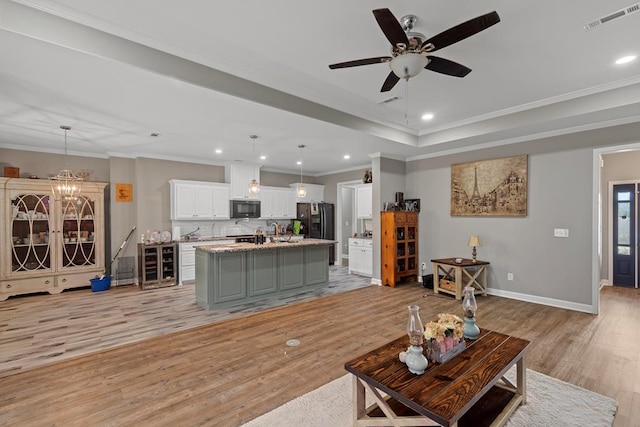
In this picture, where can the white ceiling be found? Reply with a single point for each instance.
(206, 75)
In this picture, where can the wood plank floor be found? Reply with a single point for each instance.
(231, 371)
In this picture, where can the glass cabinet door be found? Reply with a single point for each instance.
(30, 233)
(78, 233)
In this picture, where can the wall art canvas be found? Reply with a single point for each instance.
(495, 187)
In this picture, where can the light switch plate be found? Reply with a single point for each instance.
(560, 232)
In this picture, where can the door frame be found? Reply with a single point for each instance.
(610, 185)
(339, 219)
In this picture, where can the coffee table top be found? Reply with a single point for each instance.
(445, 391)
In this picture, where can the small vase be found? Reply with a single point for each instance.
(415, 360)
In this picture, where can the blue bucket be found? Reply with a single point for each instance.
(99, 285)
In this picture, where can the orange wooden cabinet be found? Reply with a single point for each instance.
(399, 231)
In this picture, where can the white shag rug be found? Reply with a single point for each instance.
(550, 402)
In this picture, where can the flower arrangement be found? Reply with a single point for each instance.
(444, 337)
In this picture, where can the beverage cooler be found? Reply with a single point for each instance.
(318, 222)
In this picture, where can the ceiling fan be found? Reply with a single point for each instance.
(410, 50)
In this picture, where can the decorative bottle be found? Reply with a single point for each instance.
(414, 358)
(469, 307)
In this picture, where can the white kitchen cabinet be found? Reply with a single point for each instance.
(187, 258)
(277, 203)
(49, 245)
(198, 200)
(315, 192)
(221, 208)
(361, 256)
(239, 176)
(364, 201)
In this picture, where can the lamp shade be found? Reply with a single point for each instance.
(474, 241)
(408, 64)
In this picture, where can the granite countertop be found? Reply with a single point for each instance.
(237, 247)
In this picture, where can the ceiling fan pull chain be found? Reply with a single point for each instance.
(406, 102)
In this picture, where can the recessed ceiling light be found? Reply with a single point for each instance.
(298, 162)
(218, 151)
(347, 157)
(263, 157)
(625, 59)
(427, 116)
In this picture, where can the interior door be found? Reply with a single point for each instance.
(624, 235)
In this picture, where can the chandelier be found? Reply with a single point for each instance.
(66, 186)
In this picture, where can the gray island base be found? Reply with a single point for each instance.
(237, 273)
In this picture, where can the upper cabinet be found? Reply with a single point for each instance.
(197, 200)
(239, 176)
(364, 201)
(277, 203)
(315, 192)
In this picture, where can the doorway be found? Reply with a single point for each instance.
(624, 235)
(345, 218)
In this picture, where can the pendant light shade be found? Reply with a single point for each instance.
(254, 185)
(66, 185)
(301, 190)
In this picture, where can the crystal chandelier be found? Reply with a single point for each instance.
(66, 186)
(302, 192)
(254, 185)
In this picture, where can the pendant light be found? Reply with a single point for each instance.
(254, 185)
(302, 192)
(66, 186)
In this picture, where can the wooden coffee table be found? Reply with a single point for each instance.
(468, 390)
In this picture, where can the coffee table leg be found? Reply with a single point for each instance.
(521, 377)
(359, 409)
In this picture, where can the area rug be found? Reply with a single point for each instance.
(550, 402)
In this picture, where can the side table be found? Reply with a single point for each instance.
(462, 274)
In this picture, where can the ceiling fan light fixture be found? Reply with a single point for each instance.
(408, 65)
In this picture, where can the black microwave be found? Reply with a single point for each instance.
(245, 209)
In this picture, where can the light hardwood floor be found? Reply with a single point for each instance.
(231, 371)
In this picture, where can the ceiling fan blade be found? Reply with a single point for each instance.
(462, 31)
(390, 82)
(444, 66)
(358, 62)
(390, 27)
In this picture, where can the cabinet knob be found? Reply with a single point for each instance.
(8, 285)
(64, 280)
(46, 282)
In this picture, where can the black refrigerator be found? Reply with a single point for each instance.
(317, 221)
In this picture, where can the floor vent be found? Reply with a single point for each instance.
(388, 100)
(610, 17)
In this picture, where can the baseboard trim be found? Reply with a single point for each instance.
(541, 300)
(376, 281)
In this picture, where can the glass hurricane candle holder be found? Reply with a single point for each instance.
(414, 357)
(469, 308)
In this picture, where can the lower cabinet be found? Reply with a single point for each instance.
(224, 279)
(187, 258)
(361, 256)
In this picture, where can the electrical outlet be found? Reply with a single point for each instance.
(510, 277)
(424, 266)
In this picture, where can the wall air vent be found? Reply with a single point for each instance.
(610, 17)
(388, 100)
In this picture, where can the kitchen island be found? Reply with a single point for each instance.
(228, 275)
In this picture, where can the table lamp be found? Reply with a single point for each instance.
(474, 241)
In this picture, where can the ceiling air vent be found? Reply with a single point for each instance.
(388, 100)
(610, 17)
